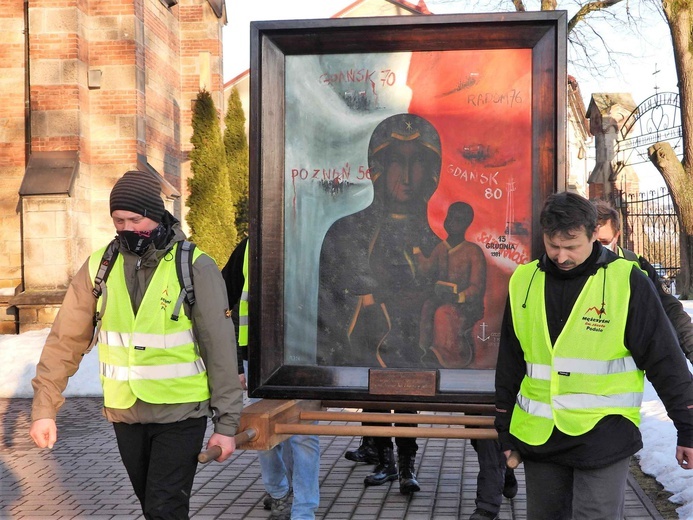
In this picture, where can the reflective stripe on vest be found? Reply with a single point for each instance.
(577, 401)
(151, 372)
(149, 356)
(122, 339)
(589, 373)
(243, 304)
(586, 366)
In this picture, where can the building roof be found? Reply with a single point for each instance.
(236, 79)
(50, 173)
(575, 99)
(418, 7)
(603, 101)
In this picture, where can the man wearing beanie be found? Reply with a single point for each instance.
(164, 372)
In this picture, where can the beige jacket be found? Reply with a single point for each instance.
(72, 331)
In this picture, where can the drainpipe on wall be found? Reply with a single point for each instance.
(27, 139)
(27, 88)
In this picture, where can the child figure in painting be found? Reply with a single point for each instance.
(458, 301)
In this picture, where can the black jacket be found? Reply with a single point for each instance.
(653, 345)
(672, 306)
(234, 280)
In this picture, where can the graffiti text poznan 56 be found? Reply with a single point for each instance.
(342, 173)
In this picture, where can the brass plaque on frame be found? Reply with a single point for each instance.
(402, 382)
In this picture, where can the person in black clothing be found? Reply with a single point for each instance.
(233, 277)
(608, 233)
(581, 326)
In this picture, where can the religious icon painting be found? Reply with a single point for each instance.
(396, 184)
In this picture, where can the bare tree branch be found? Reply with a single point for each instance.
(587, 9)
(593, 26)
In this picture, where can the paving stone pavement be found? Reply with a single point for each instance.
(83, 478)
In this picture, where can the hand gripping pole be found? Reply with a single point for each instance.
(214, 452)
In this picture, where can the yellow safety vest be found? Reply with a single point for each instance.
(588, 373)
(243, 304)
(148, 356)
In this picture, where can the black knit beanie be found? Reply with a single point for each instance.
(140, 193)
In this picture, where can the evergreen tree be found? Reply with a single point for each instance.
(211, 216)
(236, 144)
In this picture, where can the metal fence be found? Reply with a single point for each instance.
(651, 229)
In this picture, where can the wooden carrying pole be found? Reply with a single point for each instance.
(464, 420)
(481, 426)
(387, 431)
(276, 420)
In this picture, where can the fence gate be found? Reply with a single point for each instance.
(651, 229)
(650, 225)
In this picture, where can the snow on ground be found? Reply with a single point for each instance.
(19, 355)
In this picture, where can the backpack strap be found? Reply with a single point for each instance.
(184, 261)
(107, 260)
(630, 255)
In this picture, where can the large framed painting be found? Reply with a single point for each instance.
(398, 166)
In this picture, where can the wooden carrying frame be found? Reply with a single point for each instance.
(272, 421)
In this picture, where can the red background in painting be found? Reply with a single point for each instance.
(481, 99)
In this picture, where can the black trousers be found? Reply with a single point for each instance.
(406, 446)
(491, 478)
(161, 460)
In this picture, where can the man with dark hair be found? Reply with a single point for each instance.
(608, 233)
(164, 371)
(581, 328)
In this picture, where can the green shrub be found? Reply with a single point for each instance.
(211, 217)
(236, 145)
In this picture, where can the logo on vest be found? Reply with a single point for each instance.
(594, 319)
(165, 301)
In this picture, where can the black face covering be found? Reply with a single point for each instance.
(138, 241)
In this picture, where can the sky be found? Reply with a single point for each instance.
(20, 353)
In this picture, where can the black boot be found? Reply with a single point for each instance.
(385, 471)
(364, 453)
(510, 484)
(407, 477)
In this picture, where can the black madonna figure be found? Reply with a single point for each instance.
(371, 291)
